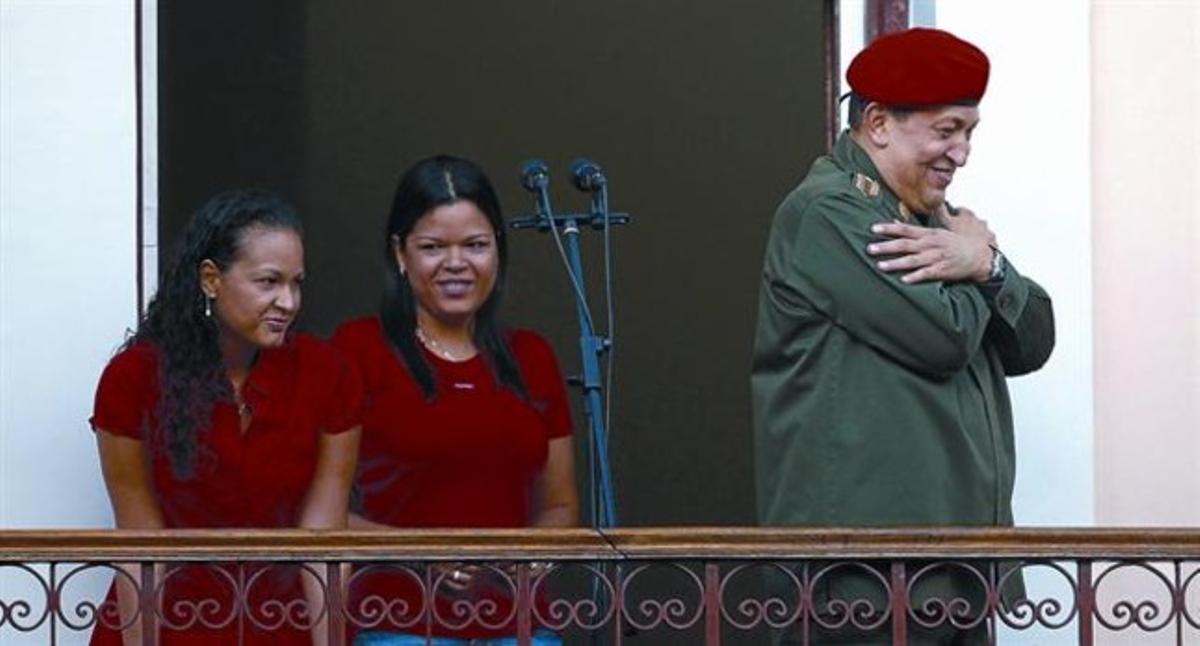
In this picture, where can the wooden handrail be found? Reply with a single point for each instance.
(657, 543)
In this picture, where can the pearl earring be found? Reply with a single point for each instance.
(207, 307)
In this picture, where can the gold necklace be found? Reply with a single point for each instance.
(437, 348)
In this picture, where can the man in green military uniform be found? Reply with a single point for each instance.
(888, 320)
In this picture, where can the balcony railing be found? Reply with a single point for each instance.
(653, 586)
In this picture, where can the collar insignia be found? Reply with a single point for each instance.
(866, 185)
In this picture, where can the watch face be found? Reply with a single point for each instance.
(998, 265)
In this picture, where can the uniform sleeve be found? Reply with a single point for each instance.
(932, 328)
(125, 396)
(547, 388)
(343, 406)
(1022, 327)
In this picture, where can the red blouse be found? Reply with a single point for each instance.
(468, 458)
(252, 479)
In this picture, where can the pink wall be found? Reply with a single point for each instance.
(1146, 256)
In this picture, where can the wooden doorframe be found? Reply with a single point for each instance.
(880, 17)
(883, 17)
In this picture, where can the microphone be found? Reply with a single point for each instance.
(535, 175)
(587, 175)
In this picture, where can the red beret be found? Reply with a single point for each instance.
(919, 67)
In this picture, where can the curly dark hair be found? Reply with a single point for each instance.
(428, 184)
(191, 373)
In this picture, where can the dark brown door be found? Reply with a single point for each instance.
(703, 113)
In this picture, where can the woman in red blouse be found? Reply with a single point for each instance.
(467, 422)
(214, 416)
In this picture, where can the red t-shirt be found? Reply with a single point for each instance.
(468, 458)
(255, 479)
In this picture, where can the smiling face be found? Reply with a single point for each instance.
(256, 297)
(918, 152)
(451, 261)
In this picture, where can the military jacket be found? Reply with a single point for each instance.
(875, 402)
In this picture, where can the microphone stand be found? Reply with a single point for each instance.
(591, 345)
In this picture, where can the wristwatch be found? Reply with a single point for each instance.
(998, 266)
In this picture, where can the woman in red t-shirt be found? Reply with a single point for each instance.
(467, 423)
(214, 416)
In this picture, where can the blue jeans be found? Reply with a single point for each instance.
(383, 638)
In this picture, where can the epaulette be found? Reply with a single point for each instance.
(866, 185)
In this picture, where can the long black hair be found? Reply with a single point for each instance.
(428, 184)
(191, 373)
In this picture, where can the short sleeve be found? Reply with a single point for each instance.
(127, 393)
(352, 340)
(343, 393)
(547, 388)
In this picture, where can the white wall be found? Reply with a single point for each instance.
(67, 254)
(851, 14)
(1029, 175)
